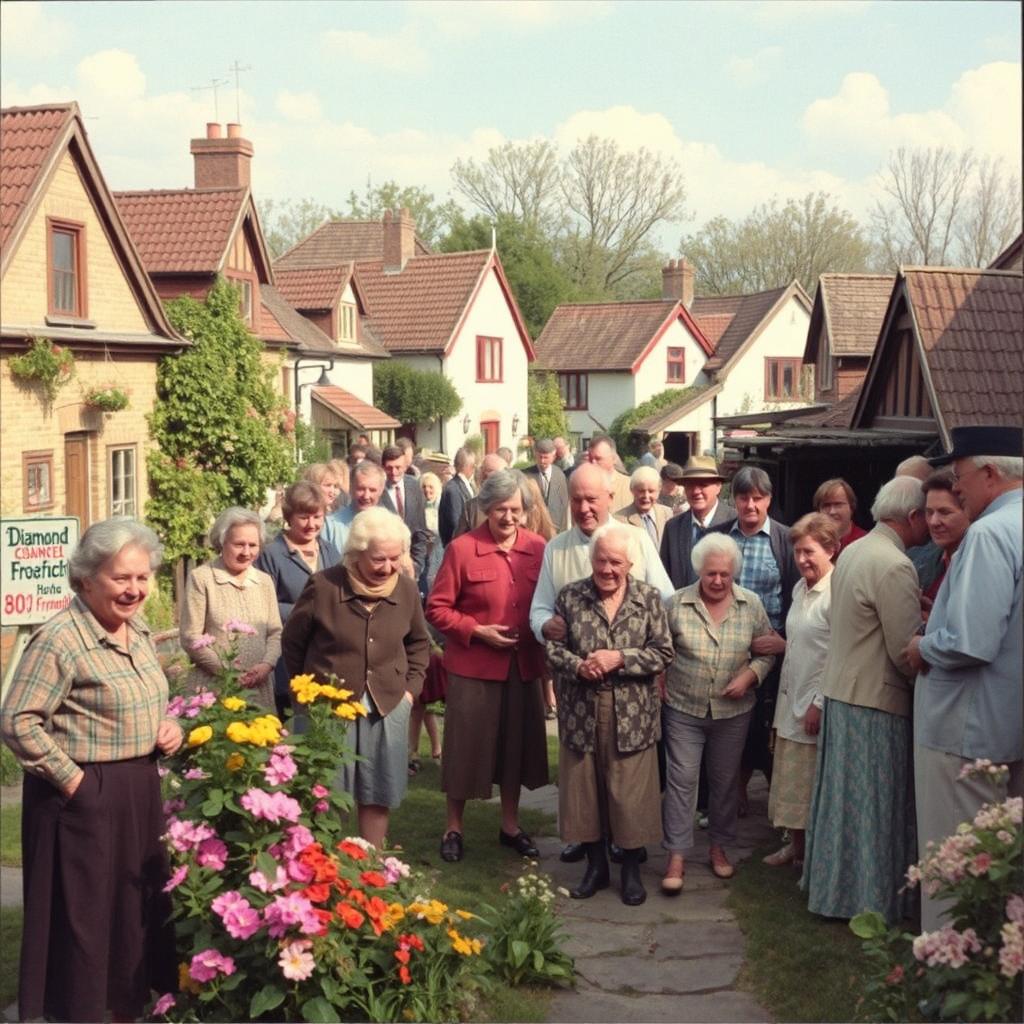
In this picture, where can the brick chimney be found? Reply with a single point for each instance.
(222, 162)
(399, 240)
(677, 281)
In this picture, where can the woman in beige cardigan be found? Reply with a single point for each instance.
(231, 589)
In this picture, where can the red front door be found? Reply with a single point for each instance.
(490, 430)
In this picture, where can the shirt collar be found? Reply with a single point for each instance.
(221, 575)
(708, 518)
(346, 593)
(766, 528)
(92, 633)
(823, 584)
(487, 545)
(691, 594)
(1010, 497)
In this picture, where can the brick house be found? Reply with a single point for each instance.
(70, 273)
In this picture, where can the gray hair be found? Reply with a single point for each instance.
(464, 457)
(105, 539)
(500, 486)
(716, 544)
(603, 439)
(645, 475)
(916, 466)
(1009, 467)
(372, 524)
(368, 468)
(228, 520)
(751, 478)
(545, 446)
(898, 498)
(615, 530)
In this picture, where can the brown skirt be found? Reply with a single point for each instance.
(96, 934)
(494, 735)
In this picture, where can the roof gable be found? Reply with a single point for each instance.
(338, 242)
(1012, 257)
(850, 307)
(313, 288)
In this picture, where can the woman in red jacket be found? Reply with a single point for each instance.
(494, 713)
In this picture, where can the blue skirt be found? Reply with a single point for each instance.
(861, 830)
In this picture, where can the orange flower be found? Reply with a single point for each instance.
(374, 879)
(352, 850)
(349, 915)
(403, 956)
(404, 975)
(317, 893)
(324, 916)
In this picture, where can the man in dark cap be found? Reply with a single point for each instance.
(672, 495)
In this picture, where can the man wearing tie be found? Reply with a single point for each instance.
(402, 495)
(645, 511)
(554, 487)
(456, 493)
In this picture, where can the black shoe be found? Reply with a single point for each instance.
(451, 847)
(596, 876)
(572, 853)
(520, 842)
(615, 854)
(633, 891)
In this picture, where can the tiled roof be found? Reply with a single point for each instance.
(418, 309)
(600, 335)
(303, 332)
(714, 325)
(854, 307)
(970, 326)
(689, 399)
(270, 326)
(364, 416)
(27, 135)
(312, 287)
(340, 241)
(181, 230)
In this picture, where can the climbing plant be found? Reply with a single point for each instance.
(546, 417)
(623, 426)
(413, 396)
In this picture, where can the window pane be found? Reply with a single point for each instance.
(63, 251)
(122, 482)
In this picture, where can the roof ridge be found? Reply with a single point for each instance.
(857, 273)
(175, 191)
(34, 108)
(958, 270)
(746, 295)
(617, 302)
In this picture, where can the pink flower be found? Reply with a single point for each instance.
(226, 900)
(299, 837)
(946, 946)
(184, 835)
(394, 869)
(980, 864)
(270, 807)
(163, 1004)
(1011, 955)
(212, 853)
(320, 791)
(196, 773)
(258, 880)
(1015, 909)
(321, 806)
(176, 879)
(296, 962)
(280, 768)
(171, 807)
(175, 706)
(239, 918)
(288, 911)
(208, 964)
(234, 626)
(202, 641)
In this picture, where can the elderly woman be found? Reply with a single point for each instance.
(231, 588)
(362, 621)
(85, 717)
(494, 711)
(709, 701)
(835, 499)
(816, 542)
(297, 552)
(616, 643)
(947, 524)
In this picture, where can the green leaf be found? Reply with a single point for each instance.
(266, 999)
(266, 865)
(519, 951)
(868, 925)
(318, 1009)
(538, 960)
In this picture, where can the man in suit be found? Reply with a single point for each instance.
(602, 452)
(563, 456)
(554, 487)
(702, 483)
(644, 510)
(402, 495)
(409, 452)
(472, 514)
(456, 493)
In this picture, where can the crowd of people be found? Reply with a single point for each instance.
(682, 640)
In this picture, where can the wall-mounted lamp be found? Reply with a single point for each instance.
(465, 423)
(515, 423)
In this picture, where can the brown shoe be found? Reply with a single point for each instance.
(720, 863)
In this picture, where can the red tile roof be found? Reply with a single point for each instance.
(853, 307)
(340, 241)
(714, 325)
(970, 326)
(182, 230)
(270, 327)
(604, 335)
(313, 287)
(27, 135)
(365, 417)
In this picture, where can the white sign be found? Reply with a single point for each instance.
(34, 567)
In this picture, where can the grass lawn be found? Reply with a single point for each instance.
(800, 966)
(10, 836)
(10, 945)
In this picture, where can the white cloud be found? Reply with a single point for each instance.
(474, 17)
(112, 75)
(29, 30)
(754, 69)
(399, 51)
(298, 106)
(774, 11)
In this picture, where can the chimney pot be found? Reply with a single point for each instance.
(399, 239)
(213, 130)
(222, 162)
(234, 131)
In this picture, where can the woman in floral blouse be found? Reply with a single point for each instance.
(616, 644)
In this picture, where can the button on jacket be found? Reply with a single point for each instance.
(331, 631)
(478, 584)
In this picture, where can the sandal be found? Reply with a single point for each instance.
(785, 855)
(672, 883)
(414, 765)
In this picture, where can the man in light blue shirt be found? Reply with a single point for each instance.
(367, 486)
(968, 697)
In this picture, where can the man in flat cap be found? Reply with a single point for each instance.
(968, 697)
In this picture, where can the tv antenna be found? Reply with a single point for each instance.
(236, 69)
(215, 84)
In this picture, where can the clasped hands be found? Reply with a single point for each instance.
(596, 665)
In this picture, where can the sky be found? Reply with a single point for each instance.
(754, 100)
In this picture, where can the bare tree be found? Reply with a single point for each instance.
(286, 222)
(991, 217)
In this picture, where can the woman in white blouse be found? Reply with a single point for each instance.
(798, 711)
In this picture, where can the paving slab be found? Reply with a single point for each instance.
(588, 1006)
(10, 887)
(641, 972)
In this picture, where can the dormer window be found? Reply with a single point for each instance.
(66, 259)
(347, 322)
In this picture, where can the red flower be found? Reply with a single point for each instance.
(349, 915)
(352, 850)
(404, 975)
(410, 941)
(895, 976)
(318, 893)
(374, 879)
(403, 956)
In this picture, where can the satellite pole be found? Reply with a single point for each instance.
(215, 84)
(236, 69)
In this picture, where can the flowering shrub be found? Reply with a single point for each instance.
(109, 398)
(49, 364)
(970, 968)
(278, 915)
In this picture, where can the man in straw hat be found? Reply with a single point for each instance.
(967, 697)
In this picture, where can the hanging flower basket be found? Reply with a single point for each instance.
(109, 399)
(48, 364)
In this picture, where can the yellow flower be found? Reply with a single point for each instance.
(234, 703)
(307, 694)
(199, 735)
(346, 711)
(393, 915)
(432, 912)
(465, 915)
(300, 682)
(459, 944)
(238, 732)
(360, 709)
(234, 762)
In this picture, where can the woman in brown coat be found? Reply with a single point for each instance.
(362, 622)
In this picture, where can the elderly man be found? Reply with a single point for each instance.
(602, 452)
(402, 494)
(860, 831)
(672, 495)
(507, 456)
(654, 456)
(967, 698)
(455, 494)
(554, 488)
(644, 510)
(567, 559)
(367, 484)
(563, 455)
(472, 515)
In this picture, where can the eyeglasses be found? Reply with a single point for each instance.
(958, 477)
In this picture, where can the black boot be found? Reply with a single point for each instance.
(615, 853)
(633, 891)
(596, 875)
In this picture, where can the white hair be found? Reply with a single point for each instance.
(105, 539)
(916, 466)
(228, 520)
(898, 498)
(716, 544)
(378, 524)
(645, 475)
(1009, 467)
(606, 477)
(616, 531)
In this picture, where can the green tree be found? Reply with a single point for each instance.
(432, 218)
(545, 413)
(628, 440)
(222, 430)
(413, 396)
(286, 222)
(774, 245)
